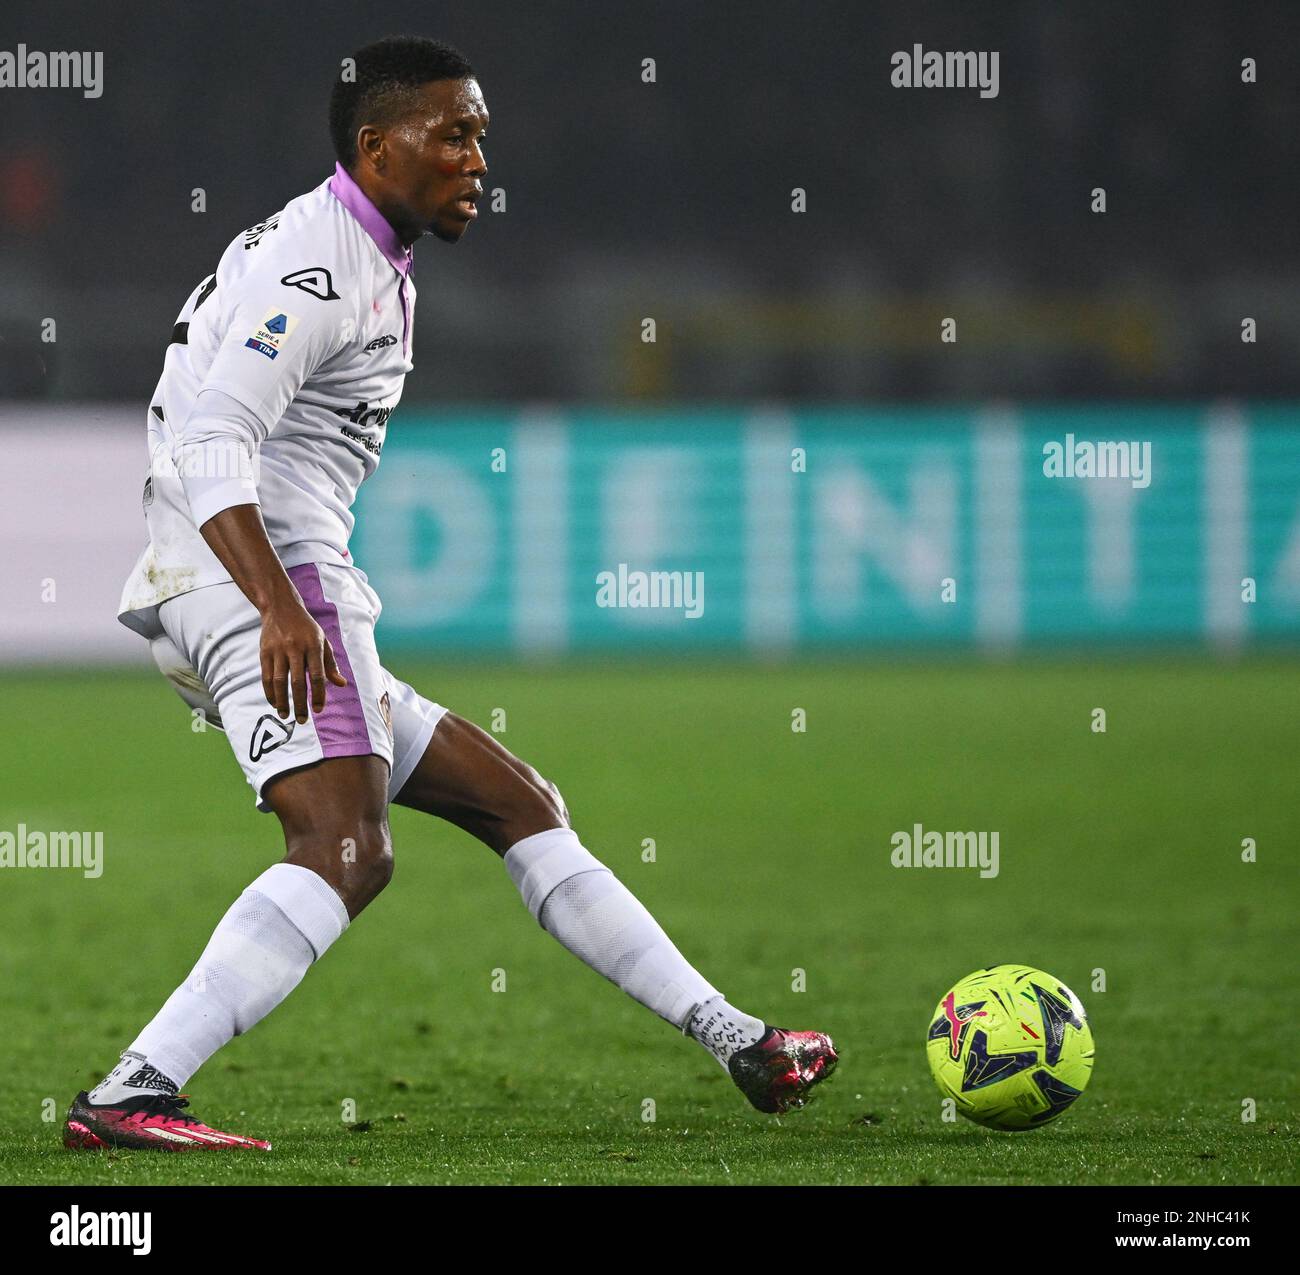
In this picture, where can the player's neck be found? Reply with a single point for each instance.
(407, 233)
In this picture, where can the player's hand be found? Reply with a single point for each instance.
(296, 652)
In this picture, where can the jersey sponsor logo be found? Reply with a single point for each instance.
(274, 330)
(315, 280)
(367, 417)
(372, 445)
(380, 342)
(269, 733)
(364, 415)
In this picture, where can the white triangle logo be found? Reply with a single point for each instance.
(269, 733)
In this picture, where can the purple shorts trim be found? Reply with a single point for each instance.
(341, 728)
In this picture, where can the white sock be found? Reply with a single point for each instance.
(722, 1029)
(580, 902)
(131, 1078)
(256, 956)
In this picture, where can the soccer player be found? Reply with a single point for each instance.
(272, 409)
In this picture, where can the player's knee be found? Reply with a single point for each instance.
(356, 859)
(557, 802)
(536, 805)
(374, 858)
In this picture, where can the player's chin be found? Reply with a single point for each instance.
(451, 227)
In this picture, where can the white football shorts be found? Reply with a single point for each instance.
(211, 654)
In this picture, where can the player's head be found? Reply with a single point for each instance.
(407, 118)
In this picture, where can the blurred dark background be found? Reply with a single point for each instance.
(673, 200)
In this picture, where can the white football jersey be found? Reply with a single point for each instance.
(306, 326)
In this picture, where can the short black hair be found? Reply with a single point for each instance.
(384, 75)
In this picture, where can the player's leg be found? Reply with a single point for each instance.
(327, 780)
(335, 820)
(465, 776)
(338, 858)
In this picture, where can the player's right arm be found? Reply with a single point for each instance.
(296, 654)
(275, 336)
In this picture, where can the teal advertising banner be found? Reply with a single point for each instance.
(775, 530)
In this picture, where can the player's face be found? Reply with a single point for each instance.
(436, 162)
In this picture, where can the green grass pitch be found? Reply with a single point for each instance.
(1120, 852)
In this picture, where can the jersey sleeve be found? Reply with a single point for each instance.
(280, 329)
(214, 455)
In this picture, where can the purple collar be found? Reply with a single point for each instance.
(373, 222)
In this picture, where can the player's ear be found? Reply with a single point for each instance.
(371, 148)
